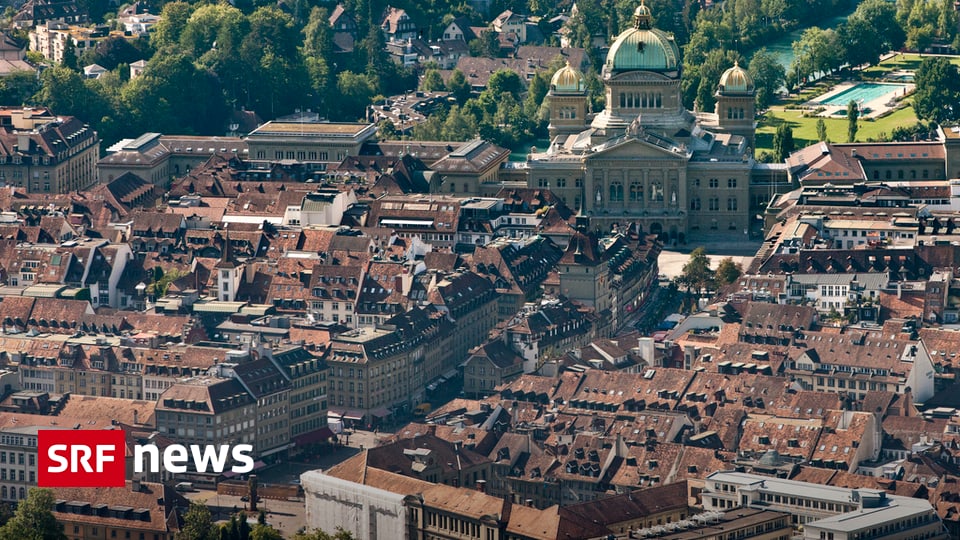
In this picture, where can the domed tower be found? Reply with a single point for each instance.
(642, 78)
(568, 102)
(736, 104)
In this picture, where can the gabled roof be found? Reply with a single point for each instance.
(496, 352)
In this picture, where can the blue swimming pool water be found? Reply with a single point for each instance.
(865, 91)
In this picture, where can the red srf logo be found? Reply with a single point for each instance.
(76, 458)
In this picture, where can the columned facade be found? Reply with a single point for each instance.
(645, 158)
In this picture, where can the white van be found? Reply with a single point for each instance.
(184, 486)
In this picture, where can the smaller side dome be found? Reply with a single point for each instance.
(736, 80)
(567, 80)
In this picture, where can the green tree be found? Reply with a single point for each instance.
(69, 55)
(276, 80)
(243, 526)
(387, 130)
(157, 100)
(355, 91)
(18, 87)
(198, 524)
(173, 19)
(853, 115)
(374, 48)
(861, 42)
(458, 126)
(486, 44)
(339, 534)
(33, 519)
(821, 130)
(881, 15)
(728, 271)
(114, 51)
(459, 86)
(213, 26)
(430, 130)
(937, 95)
(232, 528)
(768, 76)
(6, 513)
(65, 92)
(432, 81)
(263, 531)
(317, 34)
(505, 80)
(697, 274)
(713, 66)
(817, 51)
(782, 143)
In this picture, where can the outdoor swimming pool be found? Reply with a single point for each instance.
(863, 91)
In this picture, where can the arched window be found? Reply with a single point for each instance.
(659, 100)
(889, 174)
(695, 203)
(636, 192)
(741, 114)
(876, 175)
(900, 174)
(616, 192)
(22, 494)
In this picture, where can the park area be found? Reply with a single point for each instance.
(800, 112)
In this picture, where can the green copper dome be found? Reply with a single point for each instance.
(643, 47)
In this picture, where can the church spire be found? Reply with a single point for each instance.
(226, 259)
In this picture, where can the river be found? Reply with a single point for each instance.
(782, 48)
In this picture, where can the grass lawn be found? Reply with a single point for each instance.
(805, 129)
(907, 62)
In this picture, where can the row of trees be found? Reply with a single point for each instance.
(697, 276)
(207, 59)
(34, 520)
(870, 31)
(507, 112)
(719, 36)
(198, 524)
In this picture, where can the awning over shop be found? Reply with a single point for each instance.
(381, 413)
(277, 449)
(321, 435)
(450, 374)
(349, 414)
